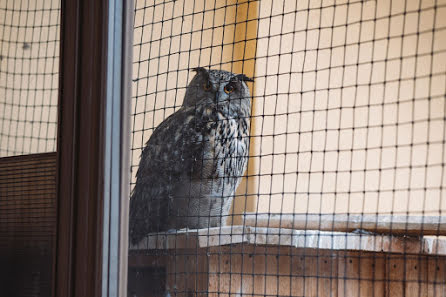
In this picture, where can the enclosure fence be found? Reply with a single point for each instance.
(344, 189)
(29, 74)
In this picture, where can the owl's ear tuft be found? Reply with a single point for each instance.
(200, 70)
(242, 77)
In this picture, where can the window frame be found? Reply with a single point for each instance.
(93, 148)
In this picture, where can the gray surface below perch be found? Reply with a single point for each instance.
(312, 239)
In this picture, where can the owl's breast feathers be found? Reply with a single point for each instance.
(196, 143)
(202, 150)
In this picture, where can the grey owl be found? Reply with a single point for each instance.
(194, 160)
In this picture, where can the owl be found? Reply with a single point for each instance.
(194, 160)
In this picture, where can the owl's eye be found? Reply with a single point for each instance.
(229, 88)
(207, 86)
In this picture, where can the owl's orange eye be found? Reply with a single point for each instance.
(229, 88)
(207, 86)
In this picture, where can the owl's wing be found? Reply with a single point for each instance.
(174, 155)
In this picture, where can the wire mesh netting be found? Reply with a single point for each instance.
(343, 145)
(29, 55)
(29, 68)
(323, 177)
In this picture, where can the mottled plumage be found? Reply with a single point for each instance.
(194, 160)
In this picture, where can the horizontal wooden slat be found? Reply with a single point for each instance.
(27, 199)
(384, 224)
(312, 239)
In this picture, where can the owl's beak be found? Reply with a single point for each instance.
(220, 95)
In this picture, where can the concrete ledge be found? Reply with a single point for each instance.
(312, 239)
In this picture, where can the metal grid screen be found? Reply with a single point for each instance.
(29, 57)
(29, 74)
(331, 184)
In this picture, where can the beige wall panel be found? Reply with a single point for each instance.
(347, 110)
(29, 66)
(349, 100)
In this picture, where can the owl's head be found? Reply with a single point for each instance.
(218, 87)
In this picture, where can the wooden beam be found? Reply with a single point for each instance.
(28, 201)
(261, 271)
(271, 270)
(311, 239)
(387, 224)
(243, 61)
(27, 223)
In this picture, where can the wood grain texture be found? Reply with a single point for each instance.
(385, 224)
(248, 261)
(249, 270)
(27, 224)
(325, 240)
(264, 270)
(185, 271)
(28, 200)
